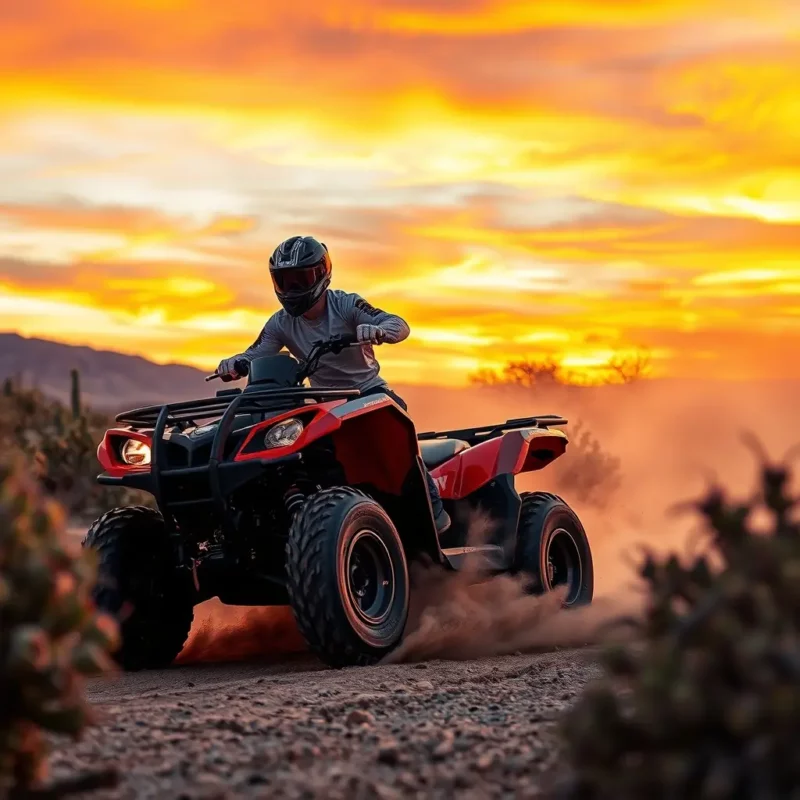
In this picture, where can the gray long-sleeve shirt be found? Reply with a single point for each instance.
(354, 367)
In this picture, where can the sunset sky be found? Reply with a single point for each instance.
(515, 178)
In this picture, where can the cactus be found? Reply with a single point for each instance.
(712, 707)
(75, 393)
(50, 635)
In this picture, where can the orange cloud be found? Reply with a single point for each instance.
(71, 216)
(562, 178)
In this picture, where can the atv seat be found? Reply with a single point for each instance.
(436, 451)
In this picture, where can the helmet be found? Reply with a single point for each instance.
(301, 272)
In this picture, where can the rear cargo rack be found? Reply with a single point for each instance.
(214, 407)
(476, 435)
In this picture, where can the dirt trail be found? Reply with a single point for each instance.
(482, 729)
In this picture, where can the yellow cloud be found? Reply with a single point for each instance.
(514, 178)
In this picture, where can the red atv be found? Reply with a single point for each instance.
(283, 494)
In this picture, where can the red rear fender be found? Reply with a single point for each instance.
(510, 454)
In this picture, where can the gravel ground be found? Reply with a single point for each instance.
(484, 728)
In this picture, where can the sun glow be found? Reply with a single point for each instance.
(559, 181)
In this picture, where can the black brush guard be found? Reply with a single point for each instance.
(222, 476)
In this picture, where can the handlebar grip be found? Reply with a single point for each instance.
(242, 367)
(339, 343)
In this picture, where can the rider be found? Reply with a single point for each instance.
(300, 269)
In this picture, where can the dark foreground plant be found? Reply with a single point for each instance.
(709, 705)
(50, 635)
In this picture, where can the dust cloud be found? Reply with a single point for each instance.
(239, 633)
(673, 439)
(469, 614)
(465, 615)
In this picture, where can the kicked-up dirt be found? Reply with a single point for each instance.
(475, 729)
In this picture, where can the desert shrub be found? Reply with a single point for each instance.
(50, 635)
(59, 444)
(629, 367)
(548, 372)
(525, 373)
(587, 473)
(708, 704)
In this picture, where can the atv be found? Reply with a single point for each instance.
(281, 494)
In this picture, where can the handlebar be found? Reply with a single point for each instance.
(242, 367)
(337, 343)
(334, 345)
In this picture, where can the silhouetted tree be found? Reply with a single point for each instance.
(630, 367)
(527, 373)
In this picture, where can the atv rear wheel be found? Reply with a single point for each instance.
(553, 549)
(140, 586)
(347, 578)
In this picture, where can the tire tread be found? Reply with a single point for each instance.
(111, 536)
(533, 512)
(308, 594)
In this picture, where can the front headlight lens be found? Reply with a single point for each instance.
(135, 453)
(284, 433)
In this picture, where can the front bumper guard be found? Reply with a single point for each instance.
(224, 475)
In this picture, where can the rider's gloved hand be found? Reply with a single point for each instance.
(227, 367)
(370, 334)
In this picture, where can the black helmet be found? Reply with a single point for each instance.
(301, 272)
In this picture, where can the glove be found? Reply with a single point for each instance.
(370, 334)
(227, 368)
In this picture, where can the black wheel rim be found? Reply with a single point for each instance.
(370, 577)
(564, 564)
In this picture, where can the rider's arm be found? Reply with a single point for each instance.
(268, 343)
(395, 328)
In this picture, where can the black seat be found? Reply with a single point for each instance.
(436, 451)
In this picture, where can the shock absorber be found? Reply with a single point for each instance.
(293, 499)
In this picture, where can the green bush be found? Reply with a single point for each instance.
(50, 635)
(708, 704)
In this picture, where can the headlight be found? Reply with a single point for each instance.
(135, 453)
(284, 433)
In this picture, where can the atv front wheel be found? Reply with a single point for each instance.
(553, 549)
(347, 578)
(140, 586)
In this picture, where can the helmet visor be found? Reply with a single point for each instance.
(297, 279)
